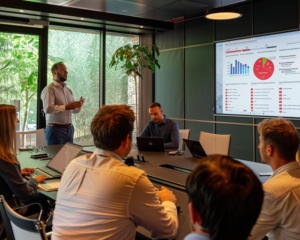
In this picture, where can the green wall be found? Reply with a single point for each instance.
(184, 85)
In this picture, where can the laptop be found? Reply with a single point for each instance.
(55, 168)
(195, 148)
(151, 144)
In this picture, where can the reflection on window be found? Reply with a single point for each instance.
(79, 50)
(119, 88)
(19, 56)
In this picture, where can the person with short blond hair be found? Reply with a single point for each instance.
(100, 197)
(280, 214)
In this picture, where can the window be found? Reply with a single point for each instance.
(80, 51)
(119, 88)
(19, 57)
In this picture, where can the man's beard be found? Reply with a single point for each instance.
(60, 77)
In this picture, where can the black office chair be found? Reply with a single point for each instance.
(18, 227)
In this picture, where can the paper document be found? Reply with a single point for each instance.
(49, 186)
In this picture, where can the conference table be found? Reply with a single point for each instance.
(162, 169)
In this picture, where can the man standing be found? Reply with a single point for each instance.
(59, 104)
(280, 214)
(100, 197)
(161, 126)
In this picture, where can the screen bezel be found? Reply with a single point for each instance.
(215, 77)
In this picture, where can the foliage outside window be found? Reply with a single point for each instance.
(119, 87)
(80, 51)
(19, 56)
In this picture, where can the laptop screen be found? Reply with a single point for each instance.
(195, 148)
(65, 155)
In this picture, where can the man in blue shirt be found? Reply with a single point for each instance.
(225, 199)
(161, 126)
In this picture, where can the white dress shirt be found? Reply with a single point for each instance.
(55, 97)
(280, 214)
(100, 197)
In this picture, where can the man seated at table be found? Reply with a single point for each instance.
(225, 199)
(100, 197)
(280, 214)
(161, 126)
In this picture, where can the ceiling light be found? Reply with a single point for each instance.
(141, 26)
(21, 11)
(222, 13)
(82, 19)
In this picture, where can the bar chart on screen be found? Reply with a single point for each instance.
(237, 68)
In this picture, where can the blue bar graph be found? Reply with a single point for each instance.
(237, 68)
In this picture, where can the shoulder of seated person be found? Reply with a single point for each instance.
(112, 165)
(281, 184)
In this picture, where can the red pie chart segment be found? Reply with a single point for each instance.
(263, 68)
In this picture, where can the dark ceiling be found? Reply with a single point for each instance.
(152, 9)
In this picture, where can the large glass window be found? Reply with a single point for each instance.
(119, 88)
(80, 51)
(19, 56)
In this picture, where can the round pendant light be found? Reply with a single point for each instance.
(222, 13)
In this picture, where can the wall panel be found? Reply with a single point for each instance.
(198, 31)
(169, 84)
(196, 127)
(241, 145)
(235, 28)
(170, 39)
(275, 15)
(199, 82)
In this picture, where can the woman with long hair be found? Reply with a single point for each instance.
(15, 190)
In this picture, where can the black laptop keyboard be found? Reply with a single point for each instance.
(38, 172)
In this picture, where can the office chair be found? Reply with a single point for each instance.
(183, 134)
(39, 139)
(18, 227)
(215, 143)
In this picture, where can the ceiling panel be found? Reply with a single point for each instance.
(114, 6)
(159, 14)
(153, 3)
(186, 7)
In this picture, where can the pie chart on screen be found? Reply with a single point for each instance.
(263, 68)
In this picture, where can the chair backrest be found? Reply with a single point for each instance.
(39, 138)
(18, 227)
(183, 134)
(215, 143)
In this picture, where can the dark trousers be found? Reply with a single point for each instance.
(58, 135)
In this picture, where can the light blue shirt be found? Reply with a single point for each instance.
(196, 236)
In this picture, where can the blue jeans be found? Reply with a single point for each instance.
(57, 135)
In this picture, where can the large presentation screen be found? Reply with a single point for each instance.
(259, 76)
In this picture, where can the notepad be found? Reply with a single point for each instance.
(49, 186)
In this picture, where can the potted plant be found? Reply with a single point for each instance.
(132, 59)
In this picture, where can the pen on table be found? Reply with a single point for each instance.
(86, 151)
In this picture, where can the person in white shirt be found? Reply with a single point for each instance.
(59, 105)
(100, 197)
(280, 214)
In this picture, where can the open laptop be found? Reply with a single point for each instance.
(195, 148)
(152, 144)
(55, 168)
